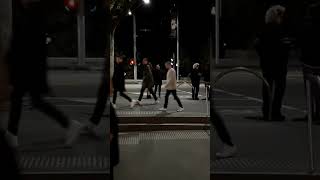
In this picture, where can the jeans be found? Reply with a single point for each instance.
(174, 93)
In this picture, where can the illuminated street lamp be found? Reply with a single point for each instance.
(146, 1)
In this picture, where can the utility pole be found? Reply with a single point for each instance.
(81, 34)
(135, 48)
(178, 46)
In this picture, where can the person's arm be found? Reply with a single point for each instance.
(170, 77)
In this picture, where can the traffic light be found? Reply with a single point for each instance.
(71, 5)
(132, 62)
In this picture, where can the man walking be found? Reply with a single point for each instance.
(119, 83)
(147, 82)
(171, 87)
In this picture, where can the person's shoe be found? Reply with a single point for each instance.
(180, 109)
(133, 103)
(114, 106)
(73, 133)
(196, 98)
(149, 97)
(11, 139)
(227, 152)
(91, 129)
(163, 109)
(156, 102)
(139, 103)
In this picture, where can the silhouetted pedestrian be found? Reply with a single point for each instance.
(118, 80)
(195, 80)
(273, 52)
(28, 69)
(157, 76)
(147, 82)
(171, 87)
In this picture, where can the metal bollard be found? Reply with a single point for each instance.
(309, 104)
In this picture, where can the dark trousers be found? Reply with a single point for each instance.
(157, 87)
(39, 103)
(115, 92)
(220, 127)
(101, 103)
(174, 93)
(150, 90)
(278, 86)
(195, 91)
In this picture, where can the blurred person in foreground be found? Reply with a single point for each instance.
(273, 50)
(28, 70)
(228, 149)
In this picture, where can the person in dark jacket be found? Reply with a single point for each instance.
(195, 80)
(273, 52)
(118, 80)
(147, 82)
(157, 76)
(28, 69)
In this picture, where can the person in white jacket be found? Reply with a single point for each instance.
(171, 87)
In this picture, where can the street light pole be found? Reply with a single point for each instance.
(81, 34)
(135, 47)
(217, 16)
(178, 46)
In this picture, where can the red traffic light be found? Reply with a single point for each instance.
(71, 5)
(132, 62)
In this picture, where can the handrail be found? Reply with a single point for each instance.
(243, 69)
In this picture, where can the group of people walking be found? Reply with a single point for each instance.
(152, 82)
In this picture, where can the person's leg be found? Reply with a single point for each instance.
(160, 90)
(102, 99)
(280, 86)
(155, 88)
(193, 92)
(50, 110)
(177, 98)
(153, 94)
(197, 92)
(125, 96)
(265, 96)
(15, 112)
(220, 127)
(141, 93)
(114, 99)
(166, 100)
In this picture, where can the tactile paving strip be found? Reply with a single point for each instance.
(63, 163)
(253, 165)
(165, 135)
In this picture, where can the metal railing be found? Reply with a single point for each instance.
(243, 69)
(312, 85)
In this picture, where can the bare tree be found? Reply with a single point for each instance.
(118, 10)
